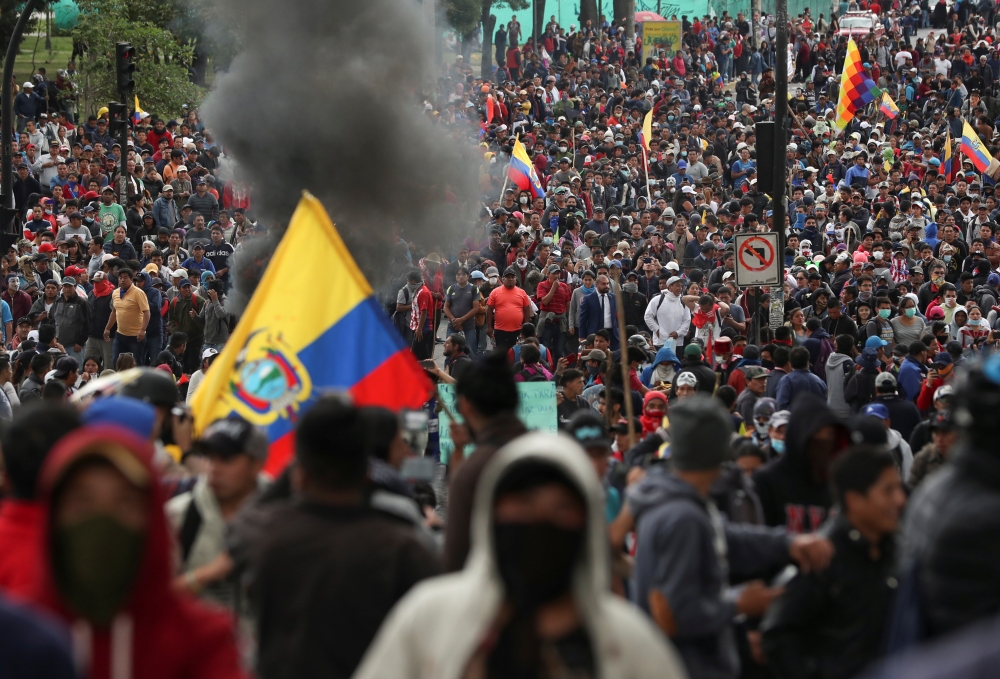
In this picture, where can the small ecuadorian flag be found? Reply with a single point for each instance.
(137, 115)
(888, 106)
(288, 350)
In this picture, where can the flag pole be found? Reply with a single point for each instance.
(645, 160)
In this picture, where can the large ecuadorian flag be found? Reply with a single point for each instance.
(291, 347)
(522, 172)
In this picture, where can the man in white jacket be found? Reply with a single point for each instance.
(666, 315)
(538, 573)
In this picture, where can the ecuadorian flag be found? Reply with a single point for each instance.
(888, 106)
(949, 168)
(290, 348)
(138, 111)
(522, 172)
(973, 149)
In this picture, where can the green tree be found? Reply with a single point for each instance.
(10, 10)
(162, 61)
(465, 15)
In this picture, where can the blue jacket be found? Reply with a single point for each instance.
(591, 319)
(155, 300)
(911, 374)
(796, 383)
(664, 355)
(165, 212)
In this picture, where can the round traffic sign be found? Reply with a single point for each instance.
(756, 254)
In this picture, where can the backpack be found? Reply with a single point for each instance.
(529, 376)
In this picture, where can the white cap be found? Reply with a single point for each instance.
(208, 353)
(27, 85)
(673, 266)
(674, 279)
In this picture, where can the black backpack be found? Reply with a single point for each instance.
(401, 319)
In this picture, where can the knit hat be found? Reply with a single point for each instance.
(699, 434)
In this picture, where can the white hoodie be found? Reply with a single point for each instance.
(665, 314)
(435, 630)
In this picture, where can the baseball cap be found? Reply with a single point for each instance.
(943, 358)
(589, 430)
(876, 410)
(184, 282)
(756, 371)
(477, 275)
(874, 342)
(208, 353)
(553, 268)
(64, 366)
(231, 436)
(944, 391)
(779, 419)
(885, 380)
(596, 355)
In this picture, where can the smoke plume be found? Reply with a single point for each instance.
(326, 96)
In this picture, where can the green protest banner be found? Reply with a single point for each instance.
(536, 409)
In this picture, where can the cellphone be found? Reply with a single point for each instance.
(428, 363)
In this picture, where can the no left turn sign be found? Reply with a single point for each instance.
(757, 261)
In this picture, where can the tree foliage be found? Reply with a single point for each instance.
(162, 60)
(10, 10)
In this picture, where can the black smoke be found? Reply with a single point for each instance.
(328, 96)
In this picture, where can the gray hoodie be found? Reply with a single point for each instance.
(838, 367)
(687, 552)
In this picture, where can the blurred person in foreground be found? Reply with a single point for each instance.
(952, 530)
(26, 445)
(329, 567)
(106, 566)
(534, 597)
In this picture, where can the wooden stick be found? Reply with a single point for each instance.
(623, 348)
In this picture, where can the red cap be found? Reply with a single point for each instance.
(90, 195)
(46, 247)
(71, 270)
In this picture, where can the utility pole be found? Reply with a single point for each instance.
(778, 190)
(8, 226)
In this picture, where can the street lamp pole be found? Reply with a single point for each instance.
(7, 212)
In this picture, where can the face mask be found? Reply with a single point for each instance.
(778, 446)
(946, 258)
(631, 288)
(760, 428)
(884, 313)
(493, 280)
(974, 321)
(587, 290)
(878, 255)
(562, 149)
(938, 280)
(950, 302)
(96, 562)
(524, 200)
(522, 262)
(535, 561)
(911, 312)
(670, 118)
(864, 296)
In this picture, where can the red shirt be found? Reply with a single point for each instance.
(560, 298)
(508, 308)
(424, 301)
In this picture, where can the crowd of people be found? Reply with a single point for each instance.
(731, 494)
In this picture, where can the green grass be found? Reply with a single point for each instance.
(34, 45)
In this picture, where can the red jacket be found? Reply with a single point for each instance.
(159, 633)
(18, 546)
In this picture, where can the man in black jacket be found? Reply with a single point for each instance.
(831, 623)
(903, 414)
(330, 567)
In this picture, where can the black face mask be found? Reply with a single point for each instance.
(536, 561)
(767, 364)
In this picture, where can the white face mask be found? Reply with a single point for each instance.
(613, 227)
(522, 262)
(493, 280)
(878, 255)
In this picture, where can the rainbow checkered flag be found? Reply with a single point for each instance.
(857, 90)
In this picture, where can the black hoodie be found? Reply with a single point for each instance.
(788, 493)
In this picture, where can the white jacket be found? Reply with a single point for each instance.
(665, 314)
(435, 630)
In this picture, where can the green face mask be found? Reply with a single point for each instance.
(884, 313)
(911, 312)
(96, 562)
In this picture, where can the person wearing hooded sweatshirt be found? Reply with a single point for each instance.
(654, 407)
(859, 389)
(794, 489)
(694, 362)
(27, 442)
(664, 368)
(487, 401)
(686, 552)
(528, 563)
(105, 563)
(839, 368)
